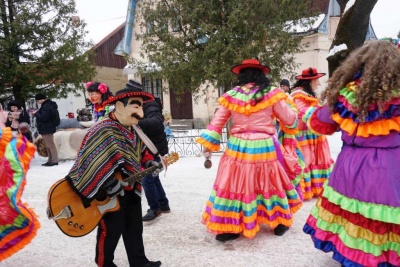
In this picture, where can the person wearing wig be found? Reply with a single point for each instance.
(357, 217)
(18, 223)
(98, 93)
(256, 179)
(314, 146)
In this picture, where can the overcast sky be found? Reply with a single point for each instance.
(103, 16)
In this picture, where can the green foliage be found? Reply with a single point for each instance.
(42, 47)
(206, 38)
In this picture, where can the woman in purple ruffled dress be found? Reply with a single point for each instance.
(357, 217)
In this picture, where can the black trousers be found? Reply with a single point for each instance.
(126, 222)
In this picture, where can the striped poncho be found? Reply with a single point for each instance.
(108, 146)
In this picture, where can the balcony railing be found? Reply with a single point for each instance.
(183, 142)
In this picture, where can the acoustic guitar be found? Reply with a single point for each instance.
(76, 219)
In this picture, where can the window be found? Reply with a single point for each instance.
(153, 86)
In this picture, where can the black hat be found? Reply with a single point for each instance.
(40, 96)
(14, 103)
(134, 84)
(285, 82)
(133, 88)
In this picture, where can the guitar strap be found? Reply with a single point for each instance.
(150, 145)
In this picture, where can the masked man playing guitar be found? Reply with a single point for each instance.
(110, 149)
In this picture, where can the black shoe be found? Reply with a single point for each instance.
(280, 230)
(153, 264)
(49, 164)
(151, 215)
(165, 209)
(226, 237)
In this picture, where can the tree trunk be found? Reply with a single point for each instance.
(352, 29)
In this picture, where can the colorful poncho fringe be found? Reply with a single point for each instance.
(18, 223)
(360, 232)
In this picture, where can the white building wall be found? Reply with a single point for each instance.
(205, 105)
(70, 104)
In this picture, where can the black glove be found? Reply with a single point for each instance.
(114, 187)
(151, 163)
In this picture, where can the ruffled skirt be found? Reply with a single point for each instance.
(318, 161)
(255, 184)
(358, 215)
(18, 223)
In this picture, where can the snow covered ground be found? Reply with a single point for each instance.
(177, 239)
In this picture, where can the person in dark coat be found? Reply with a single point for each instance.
(46, 126)
(153, 126)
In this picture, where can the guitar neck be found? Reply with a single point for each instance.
(138, 177)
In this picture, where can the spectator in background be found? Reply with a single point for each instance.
(153, 126)
(46, 125)
(17, 116)
(285, 85)
(167, 123)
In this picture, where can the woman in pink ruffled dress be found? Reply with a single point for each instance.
(256, 180)
(314, 146)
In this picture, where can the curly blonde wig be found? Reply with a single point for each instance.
(379, 64)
